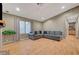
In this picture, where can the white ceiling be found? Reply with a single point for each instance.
(37, 12)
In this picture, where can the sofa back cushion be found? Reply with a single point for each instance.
(57, 33)
(44, 32)
(40, 32)
(51, 33)
(35, 32)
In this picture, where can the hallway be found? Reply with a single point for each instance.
(70, 45)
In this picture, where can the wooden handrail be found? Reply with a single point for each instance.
(2, 21)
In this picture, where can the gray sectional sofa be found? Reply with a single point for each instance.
(53, 35)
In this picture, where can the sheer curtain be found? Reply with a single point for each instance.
(22, 27)
(28, 27)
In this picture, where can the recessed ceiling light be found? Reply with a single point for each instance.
(63, 7)
(42, 18)
(17, 9)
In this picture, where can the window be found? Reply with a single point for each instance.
(28, 27)
(22, 27)
(25, 27)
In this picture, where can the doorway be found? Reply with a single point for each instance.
(72, 28)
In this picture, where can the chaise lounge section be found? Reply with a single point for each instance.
(55, 35)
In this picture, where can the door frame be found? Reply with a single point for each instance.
(67, 25)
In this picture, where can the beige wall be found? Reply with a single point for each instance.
(58, 22)
(9, 20)
(37, 26)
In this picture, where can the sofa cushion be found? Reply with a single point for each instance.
(51, 32)
(35, 32)
(57, 33)
(45, 32)
(31, 33)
